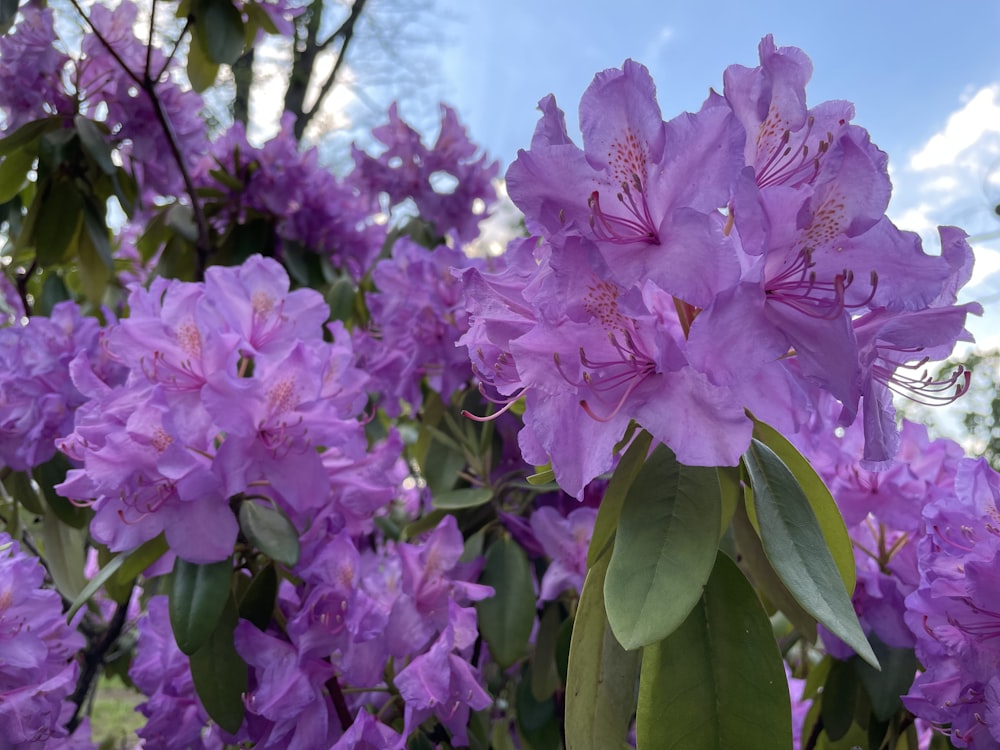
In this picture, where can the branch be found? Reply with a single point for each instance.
(93, 658)
(346, 33)
(339, 703)
(148, 85)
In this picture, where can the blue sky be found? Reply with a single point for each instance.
(924, 77)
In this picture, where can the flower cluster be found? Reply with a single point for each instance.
(450, 186)
(678, 268)
(38, 395)
(417, 315)
(953, 610)
(38, 649)
(392, 620)
(232, 391)
(305, 205)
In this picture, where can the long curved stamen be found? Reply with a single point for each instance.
(798, 287)
(506, 403)
(922, 388)
(636, 226)
(791, 163)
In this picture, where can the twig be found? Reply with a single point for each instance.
(339, 703)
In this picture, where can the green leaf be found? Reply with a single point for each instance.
(668, 534)
(506, 618)
(754, 561)
(731, 492)
(544, 671)
(270, 531)
(820, 500)
(840, 695)
(29, 132)
(219, 673)
(94, 584)
(19, 487)
(93, 272)
(65, 555)
(536, 719)
(614, 496)
(796, 548)
(198, 595)
(543, 475)
(201, 71)
(219, 31)
(14, 172)
(97, 230)
(120, 585)
(8, 12)
(93, 142)
(257, 600)
(468, 497)
(717, 682)
(601, 677)
(48, 475)
(59, 218)
(894, 679)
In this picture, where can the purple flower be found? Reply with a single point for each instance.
(565, 541)
(176, 718)
(31, 70)
(630, 190)
(38, 669)
(38, 396)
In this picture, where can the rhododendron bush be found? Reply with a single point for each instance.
(284, 454)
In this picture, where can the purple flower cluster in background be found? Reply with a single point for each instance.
(231, 389)
(678, 267)
(38, 650)
(39, 364)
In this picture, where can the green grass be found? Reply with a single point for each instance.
(114, 720)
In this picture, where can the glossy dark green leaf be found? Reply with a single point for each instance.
(506, 618)
(48, 475)
(94, 143)
(270, 531)
(468, 497)
(258, 596)
(54, 291)
(601, 677)
(614, 496)
(219, 30)
(18, 486)
(219, 673)
(796, 548)
(840, 695)
(59, 218)
(14, 172)
(198, 594)
(731, 493)
(668, 534)
(884, 687)
(754, 561)
(831, 522)
(717, 682)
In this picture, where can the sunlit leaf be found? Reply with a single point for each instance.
(601, 677)
(717, 682)
(796, 548)
(668, 533)
(614, 496)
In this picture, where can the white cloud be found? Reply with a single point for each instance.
(966, 128)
